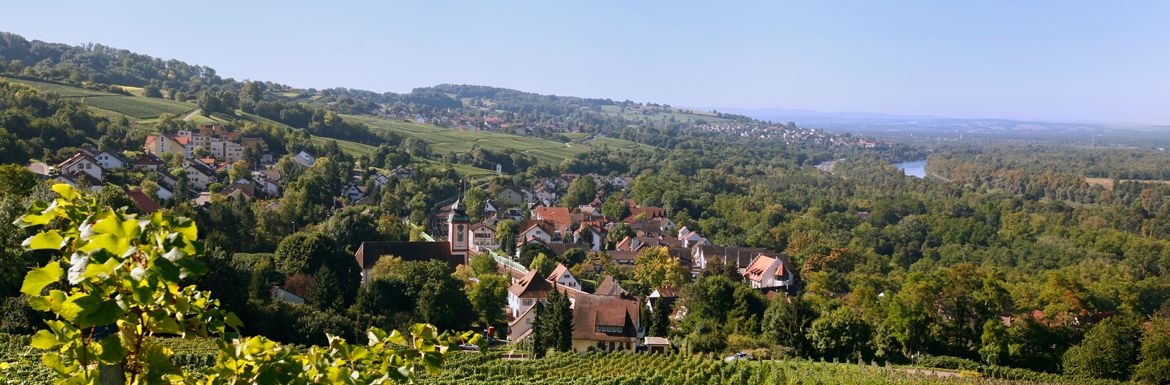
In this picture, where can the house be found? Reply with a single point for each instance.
(622, 182)
(111, 161)
(41, 170)
(243, 188)
(604, 323)
(562, 277)
(198, 174)
(304, 159)
(610, 287)
(401, 172)
(770, 271)
(525, 292)
(142, 202)
(592, 234)
(510, 196)
(148, 162)
(733, 256)
(483, 236)
(536, 229)
(663, 296)
(380, 180)
(558, 217)
(160, 144)
(282, 295)
(660, 345)
(81, 163)
(80, 180)
(353, 192)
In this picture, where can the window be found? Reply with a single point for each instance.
(459, 233)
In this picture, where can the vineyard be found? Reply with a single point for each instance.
(26, 367)
(653, 369)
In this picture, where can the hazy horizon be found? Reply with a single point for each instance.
(1052, 61)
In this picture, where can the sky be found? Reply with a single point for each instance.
(1101, 61)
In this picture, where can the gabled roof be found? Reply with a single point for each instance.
(142, 201)
(531, 286)
(557, 273)
(76, 158)
(200, 168)
(610, 287)
(148, 159)
(666, 292)
(559, 217)
(591, 311)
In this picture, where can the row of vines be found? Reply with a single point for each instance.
(654, 369)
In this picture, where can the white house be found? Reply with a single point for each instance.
(111, 161)
(562, 277)
(767, 271)
(81, 163)
(304, 159)
(354, 192)
(535, 230)
(483, 236)
(198, 174)
(510, 196)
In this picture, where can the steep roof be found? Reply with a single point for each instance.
(76, 158)
(591, 311)
(142, 201)
(759, 266)
(531, 286)
(368, 253)
(610, 287)
(559, 217)
(557, 272)
(200, 168)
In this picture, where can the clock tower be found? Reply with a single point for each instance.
(458, 231)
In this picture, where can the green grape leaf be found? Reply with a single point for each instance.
(66, 191)
(45, 340)
(47, 240)
(37, 279)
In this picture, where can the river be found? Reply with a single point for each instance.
(915, 168)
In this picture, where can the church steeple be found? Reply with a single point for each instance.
(459, 230)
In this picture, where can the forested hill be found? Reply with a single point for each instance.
(467, 107)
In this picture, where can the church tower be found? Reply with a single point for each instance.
(458, 231)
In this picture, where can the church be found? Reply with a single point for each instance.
(455, 250)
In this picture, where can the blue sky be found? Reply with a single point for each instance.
(1058, 60)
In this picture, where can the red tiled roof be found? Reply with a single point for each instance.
(531, 286)
(142, 201)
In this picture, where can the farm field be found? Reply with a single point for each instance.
(135, 107)
(444, 140)
(1107, 183)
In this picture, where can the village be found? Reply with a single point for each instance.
(607, 317)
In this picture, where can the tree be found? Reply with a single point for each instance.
(558, 322)
(351, 226)
(573, 257)
(660, 321)
(582, 191)
(543, 264)
(656, 268)
(1109, 350)
(539, 347)
(615, 207)
(506, 235)
(304, 253)
(620, 231)
(1154, 360)
(839, 334)
(787, 321)
(16, 179)
(489, 297)
(475, 199)
(124, 280)
(328, 291)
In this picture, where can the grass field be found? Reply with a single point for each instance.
(443, 140)
(1107, 183)
(135, 107)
